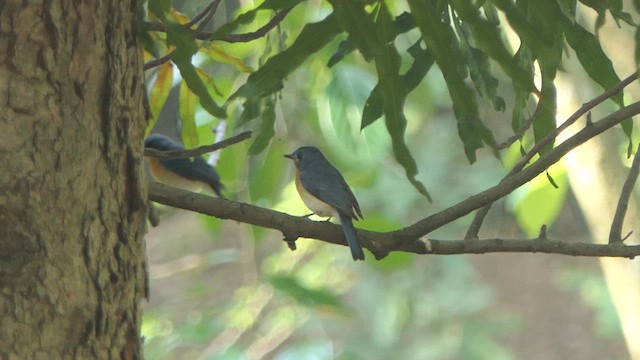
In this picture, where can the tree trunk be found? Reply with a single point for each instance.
(596, 175)
(72, 196)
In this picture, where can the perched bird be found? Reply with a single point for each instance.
(189, 174)
(324, 191)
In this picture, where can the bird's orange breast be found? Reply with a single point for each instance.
(166, 176)
(314, 204)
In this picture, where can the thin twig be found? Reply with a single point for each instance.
(213, 7)
(233, 38)
(209, 10)
(474, 228)
(230, 38)
(615, 235)
(181, 154)
(156, 62)
(523, 129)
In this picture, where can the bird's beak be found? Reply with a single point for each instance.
(289, 156)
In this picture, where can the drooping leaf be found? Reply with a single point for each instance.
(410, 80)
(160, 8)
(252, 109)
(546, 16)
(521, 96)
(179, 17)
(403, 23)
(218, 53)
(479, 68)
(489, 39)
(442, 43)
(592, 58)
(269, 77)
(265, 177)
(160, 89)
(180, 37)
(143, 34)
(188, 101)
(266, 128)
(528, 33)
(596, 63)
(422, 62)
(249, 16)
(491, 13)
(375, 39)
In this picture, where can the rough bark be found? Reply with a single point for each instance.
(72, 209)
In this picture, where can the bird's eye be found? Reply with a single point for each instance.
(298, 156)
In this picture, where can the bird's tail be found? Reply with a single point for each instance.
(350, 235)
(217, 187)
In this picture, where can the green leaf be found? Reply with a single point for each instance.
(592, 58)
(376, 40)
(160, 8)
(528, 33)
(306, 295)
(160, 89)
(266, 132)
(249, 16)
(479, 69)
(188, 116)
(442, 43)
(252, 108)
(217, 52)
(410, 80)
(186, 47)
(568, 8)
(521, 96)
(491, 13)
(403, 23)
(545, 120)
(489, 39)
(596, 63)
(268, 78)
(265, 174)
(545, 16)
(143, 34)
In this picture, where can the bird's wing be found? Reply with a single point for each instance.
(197, 170)
(330, 187)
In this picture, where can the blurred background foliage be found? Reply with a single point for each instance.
(323, 77)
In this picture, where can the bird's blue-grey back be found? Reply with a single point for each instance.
(325, 182)
(197, 169)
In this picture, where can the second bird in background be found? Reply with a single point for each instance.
(193, 175)
(326, 193)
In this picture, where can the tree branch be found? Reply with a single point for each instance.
(208, 11)
(202, 35)
(514, 181)
(523, 129)
(380, 244)
(409, 239)
(230, 38)
(205, 15)
(204, 149)
(615, 235)
(474, 228)
(233, 38)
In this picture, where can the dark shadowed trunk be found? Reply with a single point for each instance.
(72, 199)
